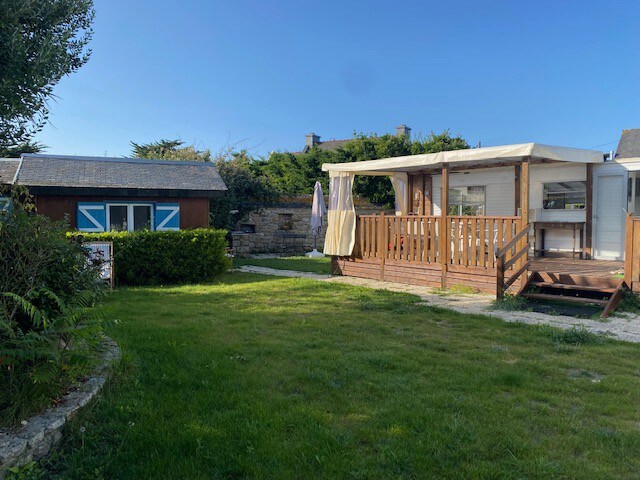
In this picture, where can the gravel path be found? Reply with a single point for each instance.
(623, 327)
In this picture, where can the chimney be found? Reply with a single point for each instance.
(403, 130)
(312, 140)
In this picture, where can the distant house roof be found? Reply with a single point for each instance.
(123, 176)
(328, 145)
(332, 144)
(8, 170)
(629, 145)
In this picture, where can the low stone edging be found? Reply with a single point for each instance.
(36, 437)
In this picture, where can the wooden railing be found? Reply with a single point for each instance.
(632, 253)
(410, 238)
(470, 241)
(512, 255)
(474, 240)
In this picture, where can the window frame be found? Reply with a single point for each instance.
(544, 184)
(461, 205)
(130, 214)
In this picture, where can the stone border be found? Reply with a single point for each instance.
(37, 436)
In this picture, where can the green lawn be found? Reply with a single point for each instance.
(300, 264)
(264, 377)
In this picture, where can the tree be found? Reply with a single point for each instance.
(295, 174)
(246, 184)
(170, 150)
(17, 150)
(41, 41)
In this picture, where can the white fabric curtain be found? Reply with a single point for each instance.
(400, 182)
(341, 217)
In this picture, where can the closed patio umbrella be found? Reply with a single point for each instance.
(318, 211)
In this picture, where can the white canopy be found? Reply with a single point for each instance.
(340, 237)
(468, 157)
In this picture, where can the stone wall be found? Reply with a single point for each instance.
(282, 227)
(37, 436)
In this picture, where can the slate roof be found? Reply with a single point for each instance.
(42, 170)
(629, 145)
(8, 169)
(328, 145)
(332, 144)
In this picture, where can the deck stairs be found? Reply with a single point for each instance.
(605, 292)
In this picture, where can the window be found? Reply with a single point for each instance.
(5, 204)
(565, 196)
(118, 218)
(285, 221)
(466, 201)
(129, 217)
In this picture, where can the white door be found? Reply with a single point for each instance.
(609, 217)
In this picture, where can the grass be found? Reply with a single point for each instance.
(301, 264)
(264, 377)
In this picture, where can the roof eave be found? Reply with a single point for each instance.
(123, 192)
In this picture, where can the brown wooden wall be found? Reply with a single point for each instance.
(427, 275)
(194, 212)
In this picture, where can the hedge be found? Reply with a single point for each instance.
(168, 257)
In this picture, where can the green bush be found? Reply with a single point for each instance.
(156, 258)
(49, 335)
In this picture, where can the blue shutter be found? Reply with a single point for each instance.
(167, 216)
(5, 204)
(91, 217)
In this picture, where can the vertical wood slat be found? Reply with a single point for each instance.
(433, 239)
(381, 247)
(398, 238)
(491, 231)
(419, 238)
(635, 258)
(629, 251)
(465, 242)
(413, 225)
(453, 228)
(483, 242)
(474, 242)
(363, 246)
(373, 253)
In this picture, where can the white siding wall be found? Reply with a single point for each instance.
(541, 174)
(499, 189)
(499, 186)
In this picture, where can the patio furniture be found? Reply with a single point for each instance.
(542, 227)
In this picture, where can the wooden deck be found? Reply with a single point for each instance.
(587, 268)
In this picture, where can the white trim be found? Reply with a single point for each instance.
(130, 225)
(15, 175)
(84, 211)
(174, 209)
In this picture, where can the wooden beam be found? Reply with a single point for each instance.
(416, 193)
(524, 191)
(628, 251)
(517, 189)
(588, 226)
(524, 214)
(428, 195)
(445, 243)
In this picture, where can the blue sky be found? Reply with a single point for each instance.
(263, 74)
